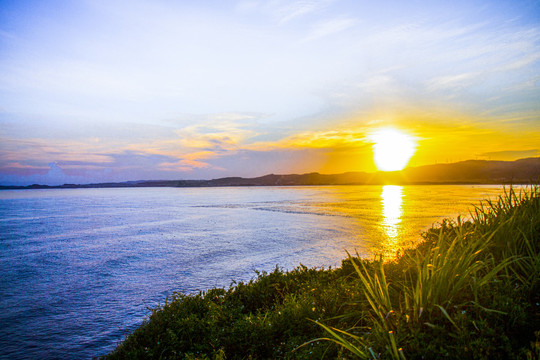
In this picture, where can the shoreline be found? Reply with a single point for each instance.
(460, 293)
(470, 172)
(121, 186)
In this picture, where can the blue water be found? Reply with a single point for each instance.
(80, 267)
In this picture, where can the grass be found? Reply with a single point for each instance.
(469, 290)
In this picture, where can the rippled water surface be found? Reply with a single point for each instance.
(79, 267)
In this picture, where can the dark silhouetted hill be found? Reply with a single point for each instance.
(465, 172)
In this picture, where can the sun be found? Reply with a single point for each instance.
(392, 149)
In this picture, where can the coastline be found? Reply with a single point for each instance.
(468, 290)
(471, 172)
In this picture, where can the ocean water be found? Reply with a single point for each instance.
(79, 268)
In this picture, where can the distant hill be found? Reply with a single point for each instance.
(465, 172)
(478, 171)
(521, 171)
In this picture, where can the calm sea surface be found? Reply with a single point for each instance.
(79, 267)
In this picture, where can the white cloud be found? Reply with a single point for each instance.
(452, 81)
(521, 62)
(330, 27)
(284, 11)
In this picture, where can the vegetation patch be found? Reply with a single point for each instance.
(470, 290)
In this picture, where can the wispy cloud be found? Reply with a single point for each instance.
(39, 151)
(326, 139)
(330, 27)
(458, 81)
(519, 63)
(216, 137)
(284, 11)
(185, 166)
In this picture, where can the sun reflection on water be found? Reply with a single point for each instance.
(392, 211)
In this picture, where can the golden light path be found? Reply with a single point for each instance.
(392, 149)
(392, 200)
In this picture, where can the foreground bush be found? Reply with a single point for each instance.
(470, 290)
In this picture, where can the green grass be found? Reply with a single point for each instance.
(470, 290)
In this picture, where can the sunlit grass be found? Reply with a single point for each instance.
(449, 274)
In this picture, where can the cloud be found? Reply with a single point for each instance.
(38, 152)
(285, 11)
(185, 165)
(54, 176)
(326, 139)
(127, 165)
(458, 81)
(220, 136)
(520, 62)
(330, 27)
(185, 151)
(130, 159)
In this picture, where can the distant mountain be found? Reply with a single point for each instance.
(521, 171)
(477, 171)
(465, 172)
(282, 180)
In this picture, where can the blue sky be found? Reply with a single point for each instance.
(95, 91)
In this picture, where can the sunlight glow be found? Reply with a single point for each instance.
(392, 199)
(392, 149)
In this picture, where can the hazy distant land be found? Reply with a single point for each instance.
(465, 172)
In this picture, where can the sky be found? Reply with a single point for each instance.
(103, 90)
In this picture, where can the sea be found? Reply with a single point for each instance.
(81, 268)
